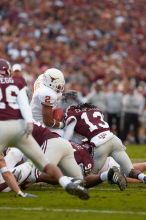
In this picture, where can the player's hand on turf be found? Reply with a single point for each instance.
(26, 195)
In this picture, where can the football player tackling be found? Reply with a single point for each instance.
(88, 121)
(16, 125)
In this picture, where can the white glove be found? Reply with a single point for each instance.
(61, 125)
(26, 195)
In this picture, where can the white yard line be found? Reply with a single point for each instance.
(96, 211)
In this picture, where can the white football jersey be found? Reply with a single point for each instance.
(14, 156)
(41, 96)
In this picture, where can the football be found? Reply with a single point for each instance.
(58, 114)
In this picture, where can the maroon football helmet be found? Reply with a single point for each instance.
(5, 67)
(70, 98)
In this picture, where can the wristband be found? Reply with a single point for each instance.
(4, 170)
(20, 193)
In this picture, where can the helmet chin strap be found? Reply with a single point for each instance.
(5, 67)
(4, 73)
(9, 72)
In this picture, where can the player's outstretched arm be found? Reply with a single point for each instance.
(10, 180)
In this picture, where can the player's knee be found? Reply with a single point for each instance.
(52, 171)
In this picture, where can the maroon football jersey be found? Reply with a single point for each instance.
(82, 157)
(9, 90)
(89, 121)
(41, 133)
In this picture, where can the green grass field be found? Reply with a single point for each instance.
(106, 201)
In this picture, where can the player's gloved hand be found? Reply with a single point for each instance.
(87, 172)
(28, 129)
(26, 195)
(61, 125)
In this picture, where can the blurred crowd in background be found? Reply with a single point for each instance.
(99, 45)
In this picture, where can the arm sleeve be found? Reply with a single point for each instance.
(69, 129)
(24, 106)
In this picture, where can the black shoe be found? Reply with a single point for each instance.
(81, 182)
(76, 188)
(144, 179)
(115, 177)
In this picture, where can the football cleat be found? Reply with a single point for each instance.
(115, 177)
(81, 182)
(144, 179)
(76, 188)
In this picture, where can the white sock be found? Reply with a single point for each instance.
(141, 176)
(103, 176)
(64, 181)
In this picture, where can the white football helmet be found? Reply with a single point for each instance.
(54, 79)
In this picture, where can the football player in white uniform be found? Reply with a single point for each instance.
(8, 179)
(48, 89)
